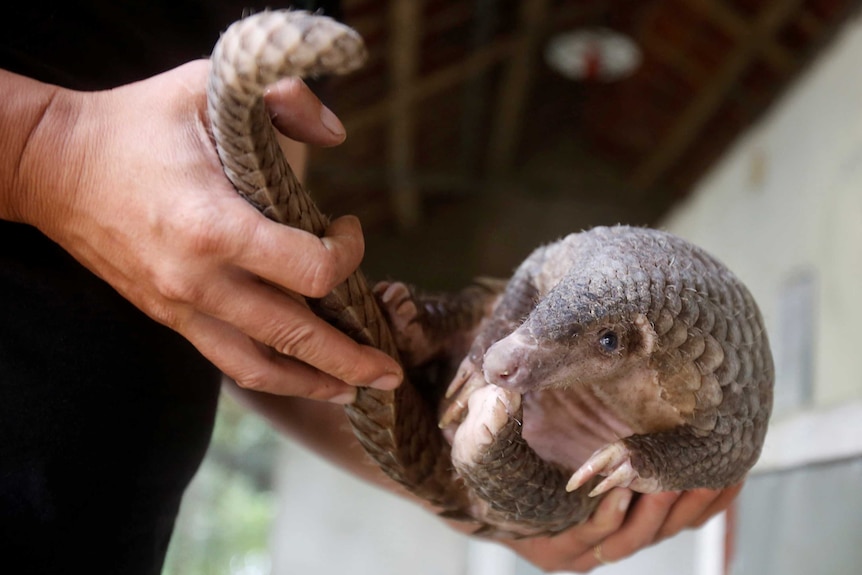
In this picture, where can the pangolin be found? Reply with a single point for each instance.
(623, 353)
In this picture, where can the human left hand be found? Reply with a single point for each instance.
(623, 525)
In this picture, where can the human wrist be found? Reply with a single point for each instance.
(38, 152)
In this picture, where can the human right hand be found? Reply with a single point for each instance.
(129, 183)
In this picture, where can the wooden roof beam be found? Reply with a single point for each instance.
(656, 46)
(456, 14)
(477, 89)
(433, 84)
(691, 121)
(404, 43)
(811, 25)
(508, 118)
(735, 25)
(454, 74)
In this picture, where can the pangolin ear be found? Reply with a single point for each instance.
(645, 337)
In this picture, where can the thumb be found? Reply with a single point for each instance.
(298, 114)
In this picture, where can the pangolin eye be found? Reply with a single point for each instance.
(609, 341)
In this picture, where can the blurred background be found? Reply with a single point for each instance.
(480, 129)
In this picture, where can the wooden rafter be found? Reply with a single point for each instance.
(508, 118)
(433, 84)
(736, 26)
(811, 24)
(476, 63)
(475, 93)
(711, 97)
(404, 18)
(657, 47)
(452, 15)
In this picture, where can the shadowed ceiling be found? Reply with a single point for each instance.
(457, 112)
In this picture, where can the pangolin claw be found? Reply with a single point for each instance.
(614, 462)
(467, 380)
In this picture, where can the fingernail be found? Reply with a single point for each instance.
(348, 396)
(331, 122)
(387, 382)
(623, 500)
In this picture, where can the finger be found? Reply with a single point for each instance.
(689, 508)
(299, 261)
(572, 550)
(639, 529)
(696, 507)
(606, 520)
(253, 366)
(298, 114)
(720, 503)
(608, 516)
(275, 319)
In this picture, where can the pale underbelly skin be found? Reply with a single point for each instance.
(567, 426)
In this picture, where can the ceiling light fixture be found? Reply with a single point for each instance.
(593, 54)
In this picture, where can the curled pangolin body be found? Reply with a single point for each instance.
(709, 348)
(690, 378)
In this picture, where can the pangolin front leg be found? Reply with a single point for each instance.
(514, 485)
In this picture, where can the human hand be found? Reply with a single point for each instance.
(129, 183)
(620, 526)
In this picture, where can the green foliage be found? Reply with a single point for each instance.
(227, 512)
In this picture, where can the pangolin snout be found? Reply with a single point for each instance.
(506, 363)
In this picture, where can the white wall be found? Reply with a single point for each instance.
(788, 199)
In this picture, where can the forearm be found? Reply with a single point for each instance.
(320, 426)
(323, 428)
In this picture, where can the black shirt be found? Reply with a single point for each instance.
(105, 415)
